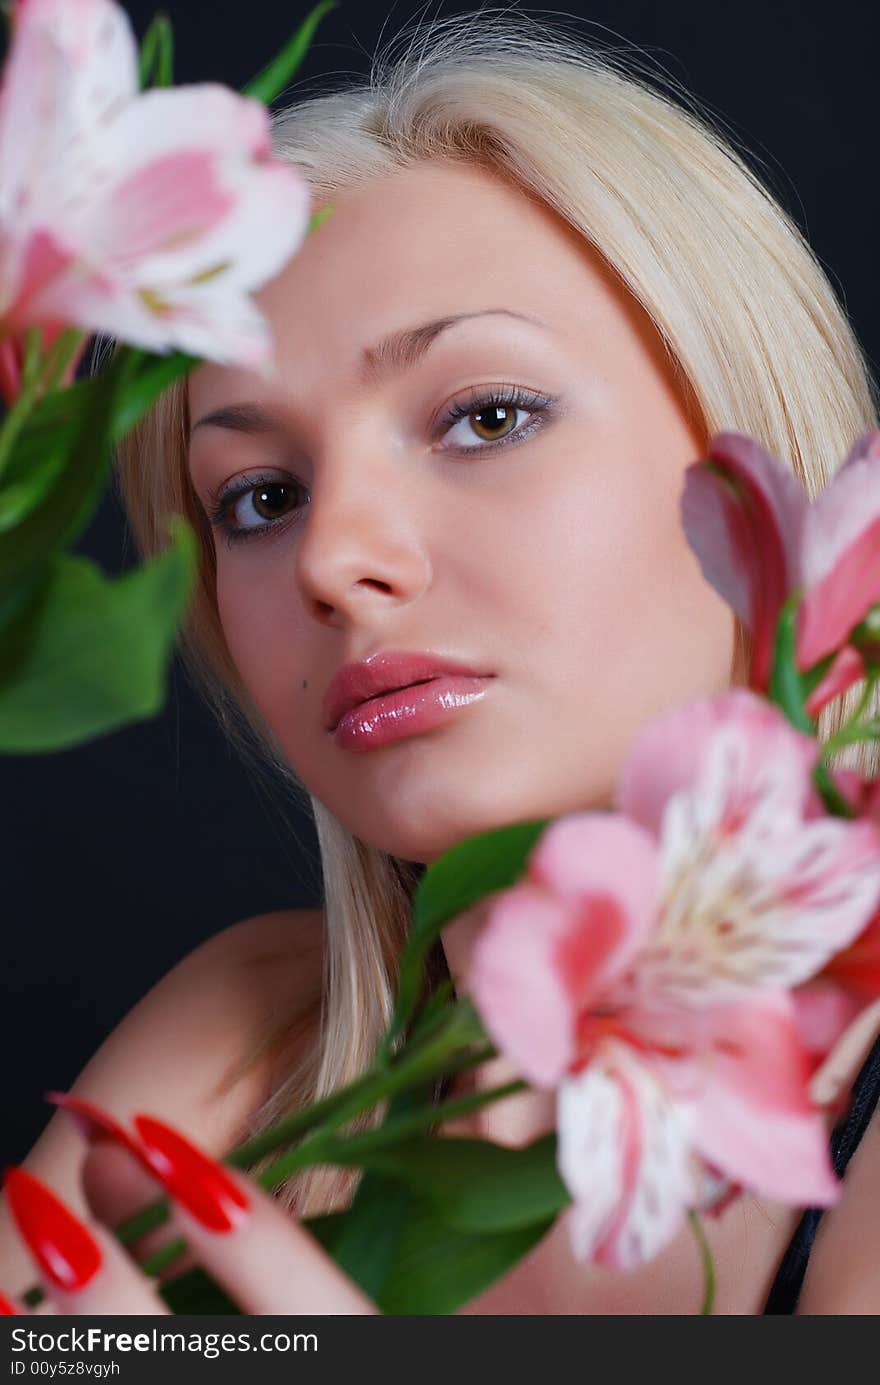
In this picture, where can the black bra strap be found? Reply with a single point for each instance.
(784, 1294)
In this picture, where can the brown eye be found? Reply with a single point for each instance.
(494, 422)
(256, 505)
(269, 501)
(487, 420)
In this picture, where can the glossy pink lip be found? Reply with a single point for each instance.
(395, 716)
(385, 672)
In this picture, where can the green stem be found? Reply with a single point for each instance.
(37, 380)
(322, 1150)
(851, 731)
(708, 1262)
(431, 1058)
(832, 797)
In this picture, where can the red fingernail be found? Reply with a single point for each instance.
(91, 1121)
(64, 1247)
(6, 1308)
(198, 1182)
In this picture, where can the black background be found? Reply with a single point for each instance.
(120, 856)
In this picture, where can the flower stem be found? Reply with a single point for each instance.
(37, 380)
(447, 1048)
(708, 1262)
(323, 1149)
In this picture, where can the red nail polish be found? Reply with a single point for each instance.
(6, 1308)
(92, 1122)
(64, 1247)
(199, 1183)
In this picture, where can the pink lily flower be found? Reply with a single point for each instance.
(643, 969)
(758, 538)
(147, 216)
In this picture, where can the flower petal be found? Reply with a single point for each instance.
(753, 1118)
(555, 942)
(608, 868)
(823, 1013)
(71, 67)
(624, 1155)
(521, 995)
(857, 967)
(754, 891)
(846, 668)
(743, 512)
(840, 558)
(723, 741)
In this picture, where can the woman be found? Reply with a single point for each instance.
(543, 286)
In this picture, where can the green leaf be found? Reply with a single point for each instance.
(157, 53)
(482, 864)
(147, 384)
(273, 78)
(476, 1185)
(435, 1268)
(97, 649)
(65, 509)
(366, 1242)
(194, 1292)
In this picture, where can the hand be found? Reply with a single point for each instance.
(245, 1240)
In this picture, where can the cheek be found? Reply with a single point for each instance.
(260, 632)
(621, 612)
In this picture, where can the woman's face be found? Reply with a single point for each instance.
(541, 543)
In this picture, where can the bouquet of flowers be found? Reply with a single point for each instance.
(673, 970)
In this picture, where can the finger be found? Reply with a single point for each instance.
(80, 1267)
(244, 1239)
(115, 1186)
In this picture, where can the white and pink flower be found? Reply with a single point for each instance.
(145, 215)
(759, 538)
(648, 967)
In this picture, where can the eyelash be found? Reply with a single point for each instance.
(506, 396)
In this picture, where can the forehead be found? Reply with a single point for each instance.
(431, 241)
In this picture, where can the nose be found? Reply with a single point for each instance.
(362, 548)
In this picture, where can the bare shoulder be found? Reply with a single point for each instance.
(177, 1052)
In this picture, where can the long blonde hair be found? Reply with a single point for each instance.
(757, 338)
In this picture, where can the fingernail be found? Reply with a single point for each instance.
(92, 1122)
(199, 1183)
(6, 1308)
(64, 1247)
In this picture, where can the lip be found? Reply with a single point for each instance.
(385, 672)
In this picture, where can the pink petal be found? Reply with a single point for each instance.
(841, 559)
(171, 207)
(624, 1155)
(11, 357)
(743, 512)
(764, 907)
(172, 199)
(72, 64)
(44, 260)
(753, 1117)
(857, 967)
(604, 867)
(847, 668)
(742, 742)
(523, 998)
(823, 1012)
(555, 942)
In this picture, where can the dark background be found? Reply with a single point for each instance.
(120, 856)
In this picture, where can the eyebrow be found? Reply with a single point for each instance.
(393, 355)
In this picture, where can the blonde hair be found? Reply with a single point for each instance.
(756, 336)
